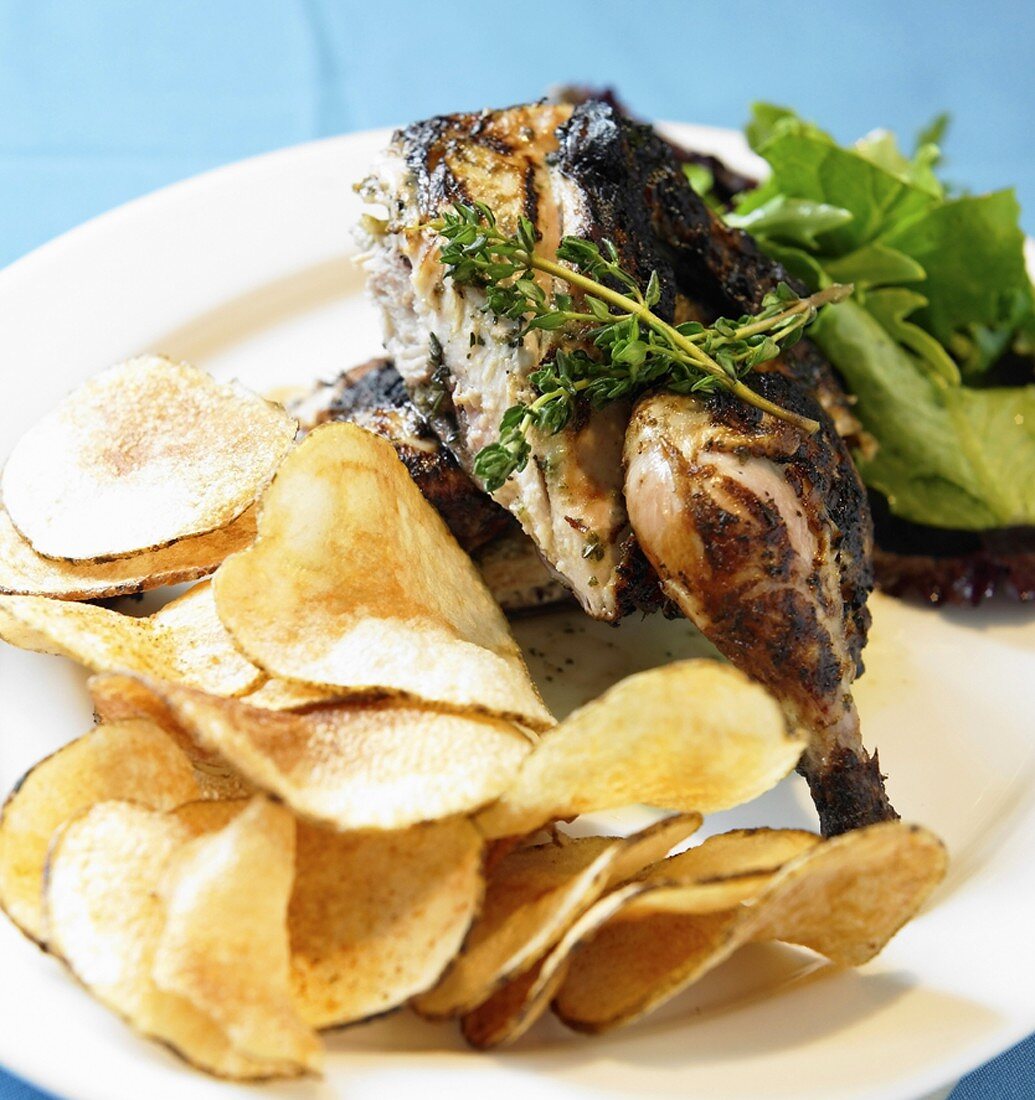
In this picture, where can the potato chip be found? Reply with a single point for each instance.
(521, 1000)
(515, 1007)
(724, 871)
(355, 765)
(224, 945)
(641, 849)
(693, 735)
(746, 869)
(533, 894)
(355, 582)
(143, 455)
(277, 694)
(844, 898)
(209, 815)
(376, 917)
(23, 572)
(117, 697)
(183, 642)
(123, 760)
(106, 913)
(531, 897)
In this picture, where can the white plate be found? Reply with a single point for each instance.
(246, 271)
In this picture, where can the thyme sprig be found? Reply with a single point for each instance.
(632, 347)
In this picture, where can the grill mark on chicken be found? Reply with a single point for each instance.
(599, 154)
(726, 183)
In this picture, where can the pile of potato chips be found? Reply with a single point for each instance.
(323, 785)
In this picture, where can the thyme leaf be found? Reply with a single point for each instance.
(626, 347)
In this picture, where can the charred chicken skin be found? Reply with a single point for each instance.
(756, 531)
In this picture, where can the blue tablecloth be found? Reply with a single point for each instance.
(106, 99)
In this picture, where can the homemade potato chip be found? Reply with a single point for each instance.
(355, 582)
(124, 760)
(23, 572)
(532, 896)
(515, 1007)
(724, 871)
(116, 697)
(376, 917)
(106, 913)
(640, 849)
(183, 642)
(693, 735)
(224, 944)
(355, 765)
(844, 898)
(288, 695)
(142, 455)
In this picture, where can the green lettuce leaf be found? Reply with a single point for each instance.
(941, 293)
(882, 149)
(891, 306)
(948, 456)
(874, 264)
(972, 250)
(791, 221)
(806, 163)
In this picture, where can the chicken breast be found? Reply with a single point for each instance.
(464, 369)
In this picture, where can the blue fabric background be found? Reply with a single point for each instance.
(103, 100)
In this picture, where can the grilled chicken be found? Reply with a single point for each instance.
(464, 370)
(759, 534)
(753, 529)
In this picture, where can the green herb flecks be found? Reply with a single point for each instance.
(631, 348)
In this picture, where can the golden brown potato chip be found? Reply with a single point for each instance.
(183, 642)
(641, 849)
(209, 815)
(521, 1000)
(515, 1007)
(355, 765)
(355, 582)
(106, 913)
(117, 697)
(531, 897)
(747, 868)
(376, 917)
(533, 894)
(844, 898)
(289, 695)
(23, 572)
(724, 871)
(142, 455)
(224, 945)
(124, 760)
(877, 879)
(693, 735)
